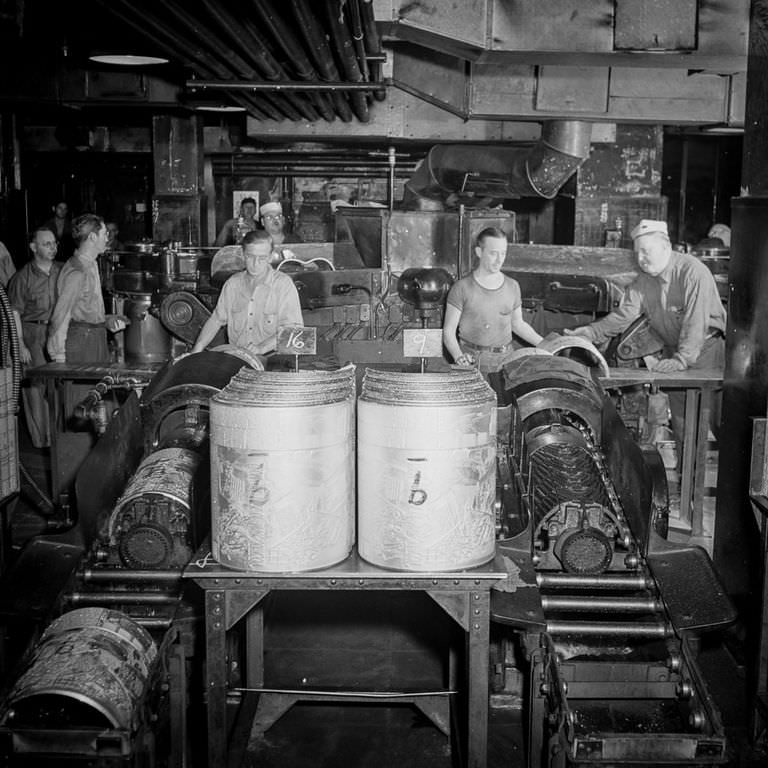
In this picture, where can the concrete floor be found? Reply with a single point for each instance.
(368, 736)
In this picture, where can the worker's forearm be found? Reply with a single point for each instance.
(57, 340)
(526, 333)
(451, 343)
(207, 333)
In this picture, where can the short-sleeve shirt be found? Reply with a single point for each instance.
(253, 318)
(486, 313)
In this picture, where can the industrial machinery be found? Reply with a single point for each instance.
(607, 611)
(601, 604)
(107, 596)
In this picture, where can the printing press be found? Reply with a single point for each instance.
(594, 616)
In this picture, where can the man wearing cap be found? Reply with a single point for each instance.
(273, 221)
(253, 303)
(235, 229)
(678, 295)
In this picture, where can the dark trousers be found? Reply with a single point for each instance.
(712, 357)
(33, 390)
(87, 343)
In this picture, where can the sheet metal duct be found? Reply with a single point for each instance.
(484, 171)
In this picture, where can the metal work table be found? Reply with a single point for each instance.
(234, 595)
(700, 387)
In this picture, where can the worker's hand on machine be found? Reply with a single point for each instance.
(116, 323)
(583, 330)
(465, 360)
(669, 365)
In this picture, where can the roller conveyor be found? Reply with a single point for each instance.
(612, 676)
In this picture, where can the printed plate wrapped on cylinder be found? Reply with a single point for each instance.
(282, 470)
(91, 668)
(153, 523)
(426, 470)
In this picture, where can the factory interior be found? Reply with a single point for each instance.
(349, 547)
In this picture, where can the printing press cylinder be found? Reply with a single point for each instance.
(282, 470)
(90, 670)
(576, 520)
(426, 470)
(153, 523)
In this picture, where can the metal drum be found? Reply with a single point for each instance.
(91, 668)
(426, 470)
(283, 470)
(152, 524)
(146, 340)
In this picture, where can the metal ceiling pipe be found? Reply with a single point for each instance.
(254, 49)
(345, 48)
(358, 37)
(288, 85)
(196, 59)
(502, 171)
(233, 64)
(294, 51)
(229, 58)
(182, 54)
(317, 44)
(373, 46)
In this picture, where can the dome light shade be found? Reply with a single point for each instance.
(219, 108)
(127, 59)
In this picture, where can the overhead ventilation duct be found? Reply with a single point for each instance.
(454, 172)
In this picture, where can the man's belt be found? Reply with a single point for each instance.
(35, 322)
(82, 324)
(481, 348)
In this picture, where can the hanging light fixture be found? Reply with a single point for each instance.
(218, 108)
(127, 59)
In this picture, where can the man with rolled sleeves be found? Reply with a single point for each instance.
(32, 295)
(679, 296)
(253, 303)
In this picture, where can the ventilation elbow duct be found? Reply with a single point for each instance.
(498, 172)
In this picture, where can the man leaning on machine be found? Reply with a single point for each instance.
(679, 296)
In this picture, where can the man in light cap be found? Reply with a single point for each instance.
(678, 295)
(273, 221)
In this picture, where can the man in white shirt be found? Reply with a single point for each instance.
(253, 303)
